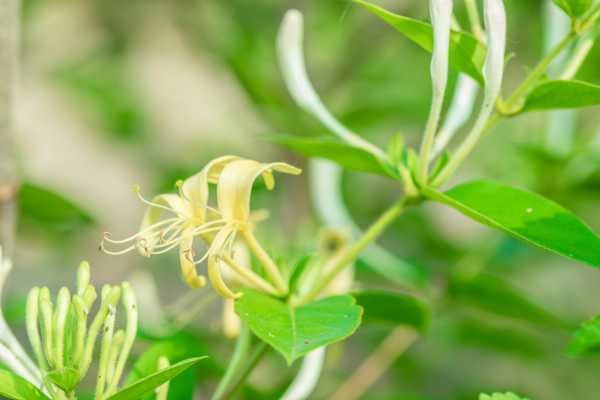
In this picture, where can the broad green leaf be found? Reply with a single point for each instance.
(295, 331)
(393, 308)
(467, 54)
(562, 94)
(497, 296)
(586, 340)
(16, 388)
(526, 216)
(346, 155)
(149, 383)
(574, 8)
(66, 378)
(500, 396)
(43, 209)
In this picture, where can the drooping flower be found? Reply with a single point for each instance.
(192, 217)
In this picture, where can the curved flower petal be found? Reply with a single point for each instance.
(217, 247)
(148, 238)
(235, 185)
(195, 188)
(188, 267)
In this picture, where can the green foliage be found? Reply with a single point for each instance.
(562, 94)
(526, 216)
(151, 382)
(296, 330)
(586, 340)
(467, 54)
(574, 8)
(348, 156)
(51, 212)
(393, 308)
(500, 396)
(66, 378)
(16, 388)
(497, 296)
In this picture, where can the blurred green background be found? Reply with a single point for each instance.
(115, 93)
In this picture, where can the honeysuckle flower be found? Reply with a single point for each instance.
(291, 60)
(192, 217)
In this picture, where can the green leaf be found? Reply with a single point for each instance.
(466, 54)
(67, 378)
(586, 340)
(562, 94)
(16, 388)
(497, 296)
(574, 8)
(393, 309)
(500, 396)
(526, 216)
(149, 383)
(348, 156)
(295, 331)
(41, 208)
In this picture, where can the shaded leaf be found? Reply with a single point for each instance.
(295, 331)
(526, 216)
(500, 396)
(574, 8)
(466, 53)
(562, 94)
(44, 209)
(66, 378)
(586, 340)
(149, 383)
(393, 308)
(16, 388)
(346, 155)
(497, 296)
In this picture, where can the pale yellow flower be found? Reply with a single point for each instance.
(192, 217)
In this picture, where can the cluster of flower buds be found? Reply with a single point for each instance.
(63, 334)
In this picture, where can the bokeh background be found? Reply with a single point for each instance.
(115, 93)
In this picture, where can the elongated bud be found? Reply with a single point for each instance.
(46, 309)
(441, 17)
(291, 61)
(495, 24)
(83, 277)
(63, 301)
(130, 304)
(115, 350)
(81, 314)
(33, 331)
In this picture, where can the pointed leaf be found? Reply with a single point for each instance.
(586, 340)
(16, 388)
(393, 308)
(497, 296)
(562, 94)
(67, 378)
(574, 8)
(466, 54)
(526, 216)
(151, 382)
(348, 156)
(295, 331)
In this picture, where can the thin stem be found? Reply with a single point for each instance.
(474, 19)
(242, 347)
(369, 372)
(351, 253)
(250, 276)
(539, 70)
(264, 258)
(257, 355)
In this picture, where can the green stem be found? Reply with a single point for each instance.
(351, 253)
(539, 70)
(242, 347)
(256, 356)
(474, 19)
